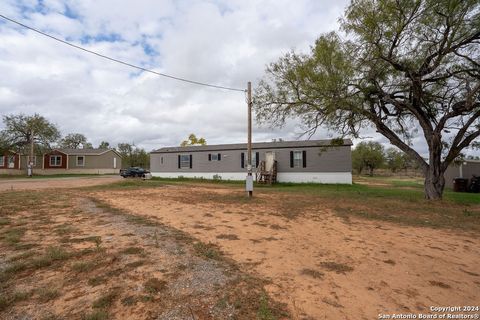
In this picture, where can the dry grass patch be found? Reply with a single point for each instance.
(312, 273)
(336, 267)
(84, 266)
(96, 315)
(46, 294)
(227, 236)
(154, 285)
(106, 300)
(96, 281)
(439, 284)
(133, 250)
(207, 250)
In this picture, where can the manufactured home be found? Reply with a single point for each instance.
(64, 161)
(464, 169)
(318, 161)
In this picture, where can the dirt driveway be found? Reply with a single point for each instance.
(323, 266)
(60, 183)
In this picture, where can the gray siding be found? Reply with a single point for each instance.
(319, 159)
(453, 171)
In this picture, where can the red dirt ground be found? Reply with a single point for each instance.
(323, 266)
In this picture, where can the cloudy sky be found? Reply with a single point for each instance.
(221, 42)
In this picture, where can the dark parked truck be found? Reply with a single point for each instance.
(135, 172)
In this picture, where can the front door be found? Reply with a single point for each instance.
(11, 162)
(269, 159)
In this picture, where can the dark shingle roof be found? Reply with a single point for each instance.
(257, 145)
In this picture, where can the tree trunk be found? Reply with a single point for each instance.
(434, 182)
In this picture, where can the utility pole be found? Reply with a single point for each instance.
(30, 161)
(249, 181)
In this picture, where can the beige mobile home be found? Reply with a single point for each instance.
(64, 161)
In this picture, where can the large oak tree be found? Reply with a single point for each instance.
(408, 68)
(75, 141)
(21, 130)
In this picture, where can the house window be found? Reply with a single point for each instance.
(11, 162)
(185, 161)
(255, 159)
(2, 161)
(80, 161)
(161, 160)
(297, 159)
(214, 157)
(55, 161)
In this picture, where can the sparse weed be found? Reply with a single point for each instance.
(46, 294)
(133, 250)
(96, 315)
(209, 250)
(84, 266)
(64, 229)
(97, 281)
(135, 264)
(312, 273)
(337, 267)
(105, 300)
(4, 221)
(129, 301)
(264, 311)
(227, 236)
(14, 235)
(154, 285)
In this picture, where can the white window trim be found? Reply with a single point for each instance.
(181, 161)
(214, 157)
(81, 165)
(54, 164)
(300, 163)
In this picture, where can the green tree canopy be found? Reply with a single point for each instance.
(21, 129)
(396, 159)
(75, 141)
(407, 68)
(368, 155)
(133, 156)
(193, 140)
(104, 145)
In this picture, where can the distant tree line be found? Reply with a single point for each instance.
(369, 156)
(20, 131)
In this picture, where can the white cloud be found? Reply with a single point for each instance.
(220, 42)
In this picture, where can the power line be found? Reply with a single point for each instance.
(120, 61)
